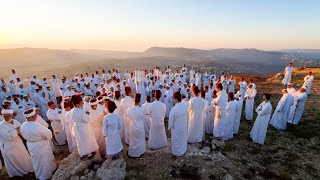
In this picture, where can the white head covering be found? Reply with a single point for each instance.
(29, 112)
(7, 111)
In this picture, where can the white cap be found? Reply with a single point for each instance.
(7, 111)
(29, 112)
(236, 96)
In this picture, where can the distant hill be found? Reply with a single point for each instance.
(251, 61)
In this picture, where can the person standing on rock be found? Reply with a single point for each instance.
(137, 145)
(157, 134)
(112, 124)
(38, 138)
(82, 130)
(249, 96)
(220, 103)
(260, 126)
(178, 124)
(281, 114)
(195, 111)
(287, 75)
(15, 155)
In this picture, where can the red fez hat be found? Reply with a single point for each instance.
(177, 95)
(137, 97)
(195, 89)
(214, 92)
(76, 99)
(230, 95)
(50, 103)
(117, 94)
(127, 89)
(157, 93)
(219, 85)
(67, 103)
(111, 106)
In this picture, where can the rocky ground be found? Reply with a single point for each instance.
(293, 154)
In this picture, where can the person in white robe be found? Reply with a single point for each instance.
(125, 103)
(288, 73)
(168, 99)
(220, 103)
(82, 130)
(297, 108)
(96, 123)
(231, 82)
(157, 134)
(249, 96)
(178, 125)
(38, 138)
(137, 142)
(117, 111)
(308, 82)
(56, 86)
(243, 86)
(54, 115)
(146, 119)
(195, 113)
(281, 113)
(69, 92)
(198, 79)
(15, 155)
(66, 126)
(291, 90)
(27, 103)
(111, 126)
(211, 113)
(204, 112)
(230, 117)
(239, 102)
(259, 130)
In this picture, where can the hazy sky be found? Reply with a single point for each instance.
(138, 24)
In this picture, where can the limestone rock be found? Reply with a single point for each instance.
(70, 166)
(112, 169)
(219, 144)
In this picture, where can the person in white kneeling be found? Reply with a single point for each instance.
(15, 155)
(260, 126)
(38, 138)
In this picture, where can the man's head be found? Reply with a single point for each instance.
(51, 105)
(7, 115)
(284, 91)
(30, 114)
(303, 89)
(266, 96)
(219, 87)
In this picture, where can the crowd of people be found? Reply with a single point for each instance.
(98, 114)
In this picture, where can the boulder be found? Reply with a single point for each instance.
(112, 169)
(70, 166)
(217, 144)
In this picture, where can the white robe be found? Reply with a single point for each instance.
(96, 124)
(146, 119)
(38, 138)
(287, 75)
(210, 117)
(195, 124)
(249, 96)
(281, 114)
(55, 117)
(72, 142)
(125, 103)
(157, 134)
(168, 101)
(111, 126)
(308, 83)
(243, 85)
(46, 125)
(82, 130)
(220, 114)
(56, 87)
(204, 116)
(236, 124)
(15, 155)
(297, 108)
(229, 121)
(178, 124)
(137, 145)
(231, 83)
(291, 91)
(260, 126)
